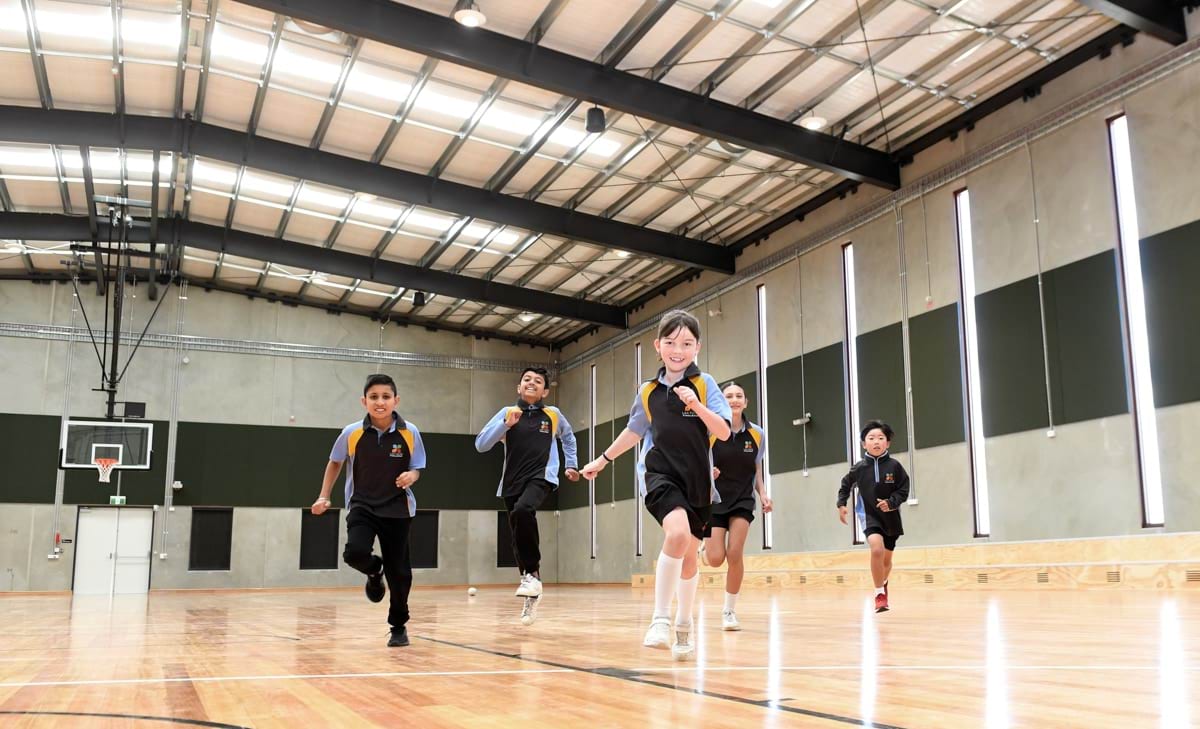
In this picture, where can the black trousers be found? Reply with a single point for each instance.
(522, 521)
(363, 528)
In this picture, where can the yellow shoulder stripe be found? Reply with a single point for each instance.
(647, 388)
(407, 435)
(756, 434)
(553, 422)
(353, 442)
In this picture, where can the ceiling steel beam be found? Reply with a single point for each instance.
(512, 58)
(54, 227)
(189, 137)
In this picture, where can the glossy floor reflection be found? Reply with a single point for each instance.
(819, 659)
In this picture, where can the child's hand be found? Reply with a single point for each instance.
(882, 505)
(767, 504)
(842, 514)
(319, 506)
(687, 395)
(593, 469)
(406, 479)
(513, 417)
(716, 473)
(572, 474)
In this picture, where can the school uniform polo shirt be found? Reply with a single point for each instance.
(377, 458)
(529, 448)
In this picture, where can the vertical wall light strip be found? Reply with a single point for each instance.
(592, 457)
(637, 459)
(851, 355)
(906, 346)
(974, 401)
(1133, 287)
(768, 531)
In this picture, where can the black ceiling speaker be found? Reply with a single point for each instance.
(419, 298)
(595, 120)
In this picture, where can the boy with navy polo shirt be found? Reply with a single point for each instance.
(386, 457)
(528, 430)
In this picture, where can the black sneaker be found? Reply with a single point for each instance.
(375, 589)
(399, 637)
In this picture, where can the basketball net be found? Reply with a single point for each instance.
(105, 467)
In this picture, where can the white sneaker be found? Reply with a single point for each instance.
(530, 586)
(529, 611)
(729, 620)
(683, 649)
(658, 635)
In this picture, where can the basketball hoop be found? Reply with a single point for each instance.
(105, 467)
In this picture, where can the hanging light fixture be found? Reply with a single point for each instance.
(470, 15)
(418, 299)
(814, 123)
(595, 120)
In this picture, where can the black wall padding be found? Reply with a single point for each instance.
(423, 540)
(319, 548)
(504, 545)
(824, 392)
(1012, 381)
(1171, 271)
(1085, 341)
(881, 382)
(282, 466)
(212, 539)
(937, 377)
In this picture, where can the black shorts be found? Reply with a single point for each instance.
(664, 494)
(889, 543)
(721, 521)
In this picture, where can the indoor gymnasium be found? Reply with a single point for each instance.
(600, 363)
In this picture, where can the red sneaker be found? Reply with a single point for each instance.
(881, 604)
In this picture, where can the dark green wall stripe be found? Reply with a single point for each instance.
(1083, 335)
(1012, 381)
(937, 377)
(824, 390)
(881, 381)
(1171, 272)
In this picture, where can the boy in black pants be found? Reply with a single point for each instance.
(882, 487)
(528, 431)
(386, 457)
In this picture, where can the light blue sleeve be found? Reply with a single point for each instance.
(716, 401)
(492, 433)
(762, 445)
(639, 422)
(341, 446)
(418, 455)
(567, 436)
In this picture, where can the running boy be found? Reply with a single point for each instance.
(528, 431)
(675, 413)
(882, 487)
(386, 457)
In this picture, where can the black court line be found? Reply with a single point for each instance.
(625, 674)
(138, 717)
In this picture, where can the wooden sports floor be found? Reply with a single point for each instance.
(317, 658)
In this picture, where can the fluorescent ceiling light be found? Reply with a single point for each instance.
(209, 172)
(252, 182)
(326, 198)
(239, 45)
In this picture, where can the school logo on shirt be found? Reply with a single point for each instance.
(748, 447)
(545, 427)
(397, 451)
(889, 478)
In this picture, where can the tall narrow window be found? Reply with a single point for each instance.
(1136, 331)
(637, 459)
(970, 347)
(592, 457)
(768, 531)
(851, 353)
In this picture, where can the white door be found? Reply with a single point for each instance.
(112, 550)
(135, 529)
(95, 545)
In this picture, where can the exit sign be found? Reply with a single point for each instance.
(116, 500)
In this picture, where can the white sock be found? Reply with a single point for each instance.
(878, 590)
(666, 577)
(687, 596)
(730, 601)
